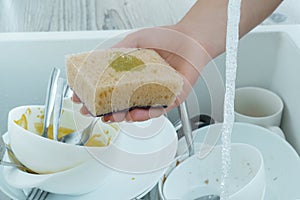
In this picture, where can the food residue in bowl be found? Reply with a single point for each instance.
(62, 131)
(22, 122)
(96, 140)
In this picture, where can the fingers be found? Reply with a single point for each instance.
(85, 111)
(75, 98)
(142, 114)
(135, 115)
(115, 117)
(129, 41)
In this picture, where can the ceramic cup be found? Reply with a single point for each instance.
(259, 106)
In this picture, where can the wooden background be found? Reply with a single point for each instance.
(78, 15)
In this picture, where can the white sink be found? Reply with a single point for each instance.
(269, 57)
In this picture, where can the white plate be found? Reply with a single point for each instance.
(120, 185)
(282, 163)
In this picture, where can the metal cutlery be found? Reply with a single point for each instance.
(209, 197)
(80, 138)
(50, 98)
(57, 110)
(37, 194)
(187, 128)
(55, 91)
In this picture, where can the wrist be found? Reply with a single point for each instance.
(212, 39)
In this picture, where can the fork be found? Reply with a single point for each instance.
(2, 148)
(37, 194)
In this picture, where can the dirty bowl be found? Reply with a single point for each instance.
(194, 178)
(43, 155)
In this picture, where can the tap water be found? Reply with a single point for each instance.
(232, 38)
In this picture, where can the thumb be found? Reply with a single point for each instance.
(130, 41)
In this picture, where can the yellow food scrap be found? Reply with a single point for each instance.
(28, 111)
(95, 141)
(108, 141)
(62, 131)
(22, 122)
(40, 117)
(38, 127)
(114, 126)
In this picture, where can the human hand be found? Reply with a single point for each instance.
(181, 51)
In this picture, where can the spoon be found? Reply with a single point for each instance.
(209, 197)
(76, 137)
(49, 104)
(57, 110)
(80, 138)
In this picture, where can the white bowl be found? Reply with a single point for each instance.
(127, 152)
(194, 178)
(81, 179)
(43, 155)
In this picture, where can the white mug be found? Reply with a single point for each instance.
(259, 106)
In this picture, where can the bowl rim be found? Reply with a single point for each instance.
(32, 134)
(184, 157)
(265, 92)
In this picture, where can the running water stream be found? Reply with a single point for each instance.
(232, 37)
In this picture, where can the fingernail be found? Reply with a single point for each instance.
(75, 101)
(105, 120)
(86, 114)
(155, 112)
(118, 116)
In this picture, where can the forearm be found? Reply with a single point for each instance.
(206, 21)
